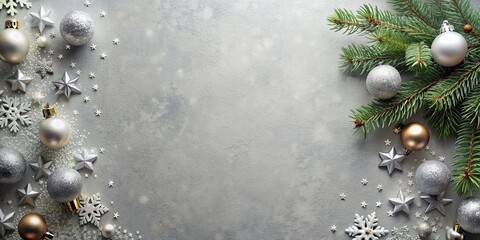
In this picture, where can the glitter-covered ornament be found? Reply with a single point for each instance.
(33, 226)
(432, 177)
(468, 215)
(108, 231)
(77, 28)
(424, 230)
(383, 82)
(64, 186)
(449, 48)
(12, 165)
(54, 132)
(14, 44)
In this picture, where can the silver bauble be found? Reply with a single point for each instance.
(424, 230)
(108, 231)
(64, 185)
(14, 45)
(383, 82)
(449, 48)
(468, 215)
(55, 132)
(12, 165)
(432, 177)
(77, 28)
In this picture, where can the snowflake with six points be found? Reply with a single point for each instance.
(10, 5)
(91, 209)
(44, 67)
(12, 111)
(366, 228)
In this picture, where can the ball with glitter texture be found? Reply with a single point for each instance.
(468, 215)
(383, 82)
(108, 231)
(77, 28)
(424, 230)
(64, 185)
(12, 165)
(432, 177)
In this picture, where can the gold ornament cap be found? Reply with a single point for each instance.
(49, 111)
(12, 23)
(73, 205)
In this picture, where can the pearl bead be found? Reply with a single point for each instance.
(55, 132)
(42, 41)
(108, 231)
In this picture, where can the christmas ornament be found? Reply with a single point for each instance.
(467, 28)
(77, 28)
(383, 82)
(64, 186)
(33, 226)
(424, 230)
(449, 48)
(12, 166)
(44, 67)
(14, 44)
(391, 160)
(366, 228)
(91, 209)
(41, 168)
(19, 81)
(454, 233)
(6, 223)
(436, 202)
(468, 215)
(10, 5)
(84, 160)
(432, 177)
(108, 231)
(67, 86)
(401, 202)
(54, 132)
(27, 195)
(41, 19)
(12, 111)
(414, 136)
(42, 41)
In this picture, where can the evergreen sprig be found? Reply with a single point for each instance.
(449, 96)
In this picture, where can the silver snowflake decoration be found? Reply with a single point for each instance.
(44, 67)
(91, 209)
(366, 228)
(11, 5)
(13, 113)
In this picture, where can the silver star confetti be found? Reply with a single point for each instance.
(44, 67)
(436, 202)
(84, 160)
(116, 41)
(391, 160)
(401, 202)
(103, 13)
(41, 19)
(103, 56)
(95, 87)
(41, 168)
(110, 183)
(19, 81)
(93, 47)
(27, 195)
(6, 223)
(91, 75)
(67, 86)
(116, 215)
(98, 113)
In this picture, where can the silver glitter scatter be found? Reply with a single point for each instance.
(432, 177)
(77, 28)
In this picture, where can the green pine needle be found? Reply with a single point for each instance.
(418, 57)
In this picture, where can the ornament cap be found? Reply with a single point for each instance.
(12, 23)
(73, 205)
(446, 27)
(48, 236)
(49, 111)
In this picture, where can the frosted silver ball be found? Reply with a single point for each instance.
(468, 215)
(424, 230)
(77, 28)
(432, 177)
(14, 45)
(12, 165)
(449, 49)
(55, 132)
(64, 185)
(108, 231)
(383, 82)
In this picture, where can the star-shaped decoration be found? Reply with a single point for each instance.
(425, 218)
(401, 202)
(391, 160)
(364, 181)
(427, 147)
(410, 175)
(19, 81)
(60, 56)
(98, 113)
(363, 204)
(67, 86)
(410, 183)
(379, 187)
(116, 215)
(91, 75)
(41, 168)
(436, 202)
(91, 210)
(86, 99)
(86, 175)
(44, 67)
(441, 158)
(73, 65)
(418, 215)
(53, 35)
(51, 51)
(388, 142)
(68, 46)
(110, 183)
(379, 204)
(343, 196)
(93, 47)
(84, 160)
(87, 3)
(397, 130)
(433, 153)
(95, 87)
(103, 13)
(75, 112)
(41, 19)
(103, 56)
(78, 72)
(390, 213)
(101, 150)
(333, 228)
(6, 223)
(27, 195)
(116, 41)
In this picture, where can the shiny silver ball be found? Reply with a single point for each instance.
(55, 132)
(432, 177)
(449, 49)
(77, 28)
(12, 165)
(468, 215)
(14, 45)
(383, 82)
(64, 185)
(424, 230)
(108, 231)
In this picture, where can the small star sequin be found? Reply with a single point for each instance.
(95, 87)
(68, 46)
(364, 181)
(87, 3)
(86, 175)
(427, 147)
(91, 75)
(51, 52)
(73, 65)
(379, 204)
(387, 142)
(390, 213)
(101, 150)
(425, 218)
(363, 204)
(103, 56)
(86, 98)
(418, 215)
(397, 130)
(410, 174)
(343, 196)
(53, 35)
(98, 112)
(333, 228)
(379, 187)
(110, 183)
(116, 41)
(116, 215)
(93, 47)
(410, 183)
(75, 112)
(433, 153)
(103, 13)
(78, 72)
(441, 158)
(60, 56)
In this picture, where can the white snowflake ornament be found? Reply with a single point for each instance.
(13, 113)
(366, 228)
(91, 209)
(11, 5)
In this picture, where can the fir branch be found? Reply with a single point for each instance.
(418, 57)
(391, 40)
(461, 12)
(471, 108)
(415, 8)
(346, 20)
(361, 59)
(466, 175)
(444, 122)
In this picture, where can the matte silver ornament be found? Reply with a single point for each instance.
(424, 230)
(449, 48)
(14, 44)
(64, 185)
(468, 215)
(108, 231)
(432, 177)
(383, 82)
(12, 165)
(77, 28)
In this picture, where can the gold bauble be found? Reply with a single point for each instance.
(414, 136)
(32, 227)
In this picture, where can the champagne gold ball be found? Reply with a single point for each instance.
(414, 136)
(55, 132)
(32, 227)
(14, 45)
